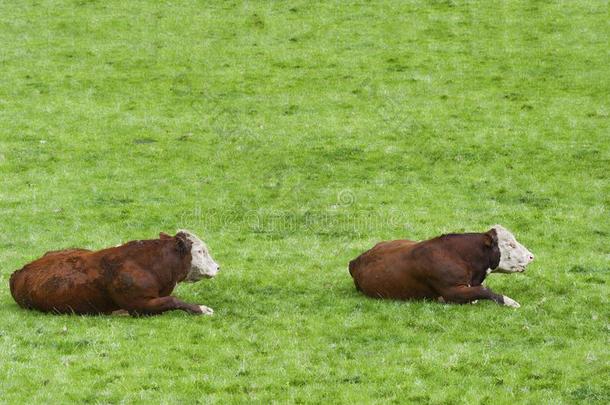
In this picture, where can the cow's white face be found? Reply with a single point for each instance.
(202, 264)
(513, 255)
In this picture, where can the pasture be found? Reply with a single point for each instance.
(292, 136)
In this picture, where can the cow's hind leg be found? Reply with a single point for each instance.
(466, 294)
(159, 305)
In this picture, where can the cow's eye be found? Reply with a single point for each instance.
(512, 245)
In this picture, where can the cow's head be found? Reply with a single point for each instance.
(202, 264)
(513, 255)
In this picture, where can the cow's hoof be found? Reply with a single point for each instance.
(474, 302)
(509, 302)
(206, 310)
(120, 312)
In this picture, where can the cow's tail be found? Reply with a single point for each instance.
(13, 283)
(353, 265)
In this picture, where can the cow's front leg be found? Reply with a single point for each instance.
(136, 291)
(159, 305)
(465, 294)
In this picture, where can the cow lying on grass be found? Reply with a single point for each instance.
(449, 268)
(137, 277)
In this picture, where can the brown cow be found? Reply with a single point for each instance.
(449, 268)
(137, 277)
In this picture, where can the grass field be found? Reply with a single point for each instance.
(292, 136)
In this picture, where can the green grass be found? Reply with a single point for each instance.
(292, 137)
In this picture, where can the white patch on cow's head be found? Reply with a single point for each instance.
(202, 264)
(513, 255)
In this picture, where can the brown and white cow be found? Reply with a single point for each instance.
(137, 277)
(449, 268)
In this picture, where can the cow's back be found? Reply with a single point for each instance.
(62, 281)
(391, 270)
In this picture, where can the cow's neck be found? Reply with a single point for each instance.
(479, 276)
(475, 254)
(171, 269)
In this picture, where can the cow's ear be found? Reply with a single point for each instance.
(491, 238)
(163, 235)
(183, 244)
